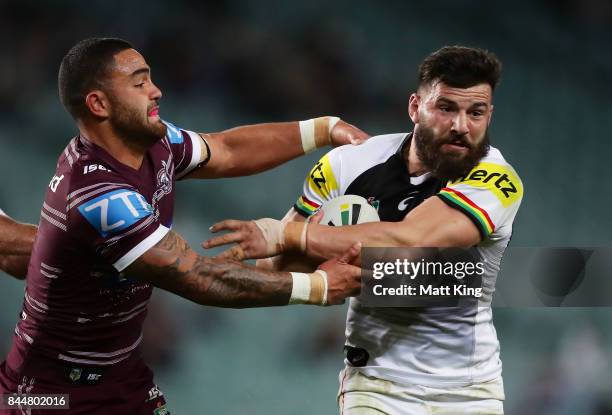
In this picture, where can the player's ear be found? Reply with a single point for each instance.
(490, 116)
(413, 107)
(97, 102)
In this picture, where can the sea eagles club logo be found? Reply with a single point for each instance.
(164, 185)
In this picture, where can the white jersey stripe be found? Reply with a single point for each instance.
(38, 303)
(68, 156)
(91, 362)
(150, 241)
(48, 275)
(93, 193)
(53, 221)
(129, 316)
(108, 354)
(24, 335)
(37, 306)
(84, 189)
(143, 304)
(54, 211)
(73, 148)
(50, 268)
(196, 154)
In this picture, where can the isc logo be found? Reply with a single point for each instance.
(114, 211)
(93, 167)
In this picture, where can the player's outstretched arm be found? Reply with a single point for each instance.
(431, 224)
(16, 241)
(175, 267)
(250, 149)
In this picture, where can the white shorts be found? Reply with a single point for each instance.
(363, 395)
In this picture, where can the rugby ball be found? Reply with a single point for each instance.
(348, 210)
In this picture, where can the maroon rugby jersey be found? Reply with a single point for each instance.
(99, 215)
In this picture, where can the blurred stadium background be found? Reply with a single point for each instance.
(233, 62)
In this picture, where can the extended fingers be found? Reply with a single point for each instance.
(226, 225)
(228, 238)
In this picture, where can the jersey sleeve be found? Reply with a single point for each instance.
(321, 184)
(489, 195)
(116, 222)
(186, 147)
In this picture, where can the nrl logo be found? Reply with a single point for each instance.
(374, 202)
(75, 374)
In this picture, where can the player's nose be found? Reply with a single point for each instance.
(156, 93)
(460, 126)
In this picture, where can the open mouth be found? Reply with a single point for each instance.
(457, 145)
(153, 112)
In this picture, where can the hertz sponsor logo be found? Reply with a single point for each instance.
(321, 179)
(500, 180)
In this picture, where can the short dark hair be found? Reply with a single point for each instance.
(84, 68)
(460, 67)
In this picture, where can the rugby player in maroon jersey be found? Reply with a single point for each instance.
(105, 237)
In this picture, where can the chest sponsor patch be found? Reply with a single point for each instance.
(500, 180)
(115, 211)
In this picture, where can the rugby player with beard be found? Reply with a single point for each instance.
(442, 185)
(105, 238)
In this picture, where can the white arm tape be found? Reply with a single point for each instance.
(300, 293)
(313, 136)
(307, 133)
(332, 123)
(302, 289)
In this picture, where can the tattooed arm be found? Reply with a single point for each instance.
(173, 266)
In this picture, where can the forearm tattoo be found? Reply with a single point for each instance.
(174, 266)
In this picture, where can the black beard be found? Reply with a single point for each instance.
(443, 165)
(129, 125)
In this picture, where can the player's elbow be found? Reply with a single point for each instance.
(19, 276)
(14, 268)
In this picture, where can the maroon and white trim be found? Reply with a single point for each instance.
(146, 244)
(95, 192)
(196, 153)
(99, 358)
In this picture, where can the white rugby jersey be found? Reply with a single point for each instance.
(428, 346)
